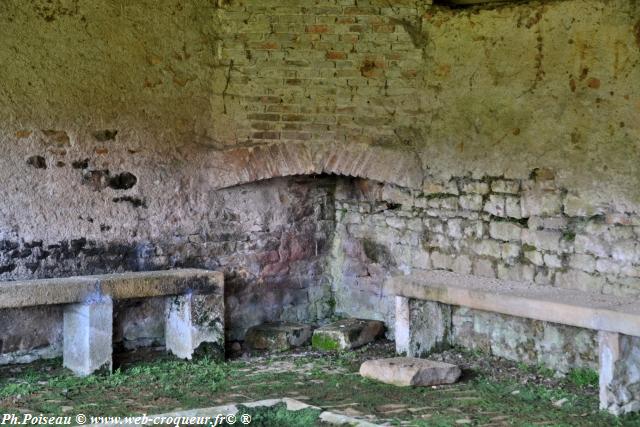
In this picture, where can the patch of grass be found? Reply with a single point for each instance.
(583, 377)
(16, 389)
(539, 369)
(326, 380)
(278, 415)
(322, 342)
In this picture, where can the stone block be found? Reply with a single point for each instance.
(626, 251)
(608, 266)
(396, 194)
(512, 207)
(194, 325)
(471, 202)
(552, 260)
(279, 336)
(420, 260)
(448, 203)
(410, 371)
(592, 245)
(484, 268)
(535, 257)
(579, 280)
(546, 240)
(476, 187)
(549, 223)
(489, 248)
(395, 222)
(505, 186)
(495, 205)
(441, 261)
(518, 272)
(541, 203)
(88, 332)
(474, 229)
(454, 228)
(461, 264)
(346, 334)
(510, 251)
(503, 230)
(434, 187)
(580, 206)
(421, 326)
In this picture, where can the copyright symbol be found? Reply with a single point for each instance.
(231, 419)
(245, 419)
(81, 419)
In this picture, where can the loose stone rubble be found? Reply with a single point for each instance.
(346, 334)
(278, 336)
(410, 371)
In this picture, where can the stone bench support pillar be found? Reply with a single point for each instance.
(619, 357)
(194, 324)
(88, 332)
(422, 327)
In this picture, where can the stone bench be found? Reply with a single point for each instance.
(194, 311)
(616, 319)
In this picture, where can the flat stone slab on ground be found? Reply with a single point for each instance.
(346, 334)
(410, 371)
(277, 336)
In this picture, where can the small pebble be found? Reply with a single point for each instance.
(559, 403)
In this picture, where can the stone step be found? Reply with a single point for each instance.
(346, 334)
(277, 336)
(410, 371)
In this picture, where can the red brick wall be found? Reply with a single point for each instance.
(322, 70)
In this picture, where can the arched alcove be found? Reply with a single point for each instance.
(246, 164)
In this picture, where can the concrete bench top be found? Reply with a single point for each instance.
(117, 286)
(551, 304)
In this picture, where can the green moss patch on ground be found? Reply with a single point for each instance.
(491, 392)
(323, 342)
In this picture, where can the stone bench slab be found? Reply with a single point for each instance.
(70, 290)
(546, 303)
(423, 319)
(194, 311)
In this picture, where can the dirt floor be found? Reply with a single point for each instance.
(491, 392)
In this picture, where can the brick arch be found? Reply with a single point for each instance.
(242, 165)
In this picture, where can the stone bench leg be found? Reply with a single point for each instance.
(619, 357)
(422, 327)
(87, 336)
(194, 324)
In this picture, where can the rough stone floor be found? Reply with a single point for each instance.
(492, 391)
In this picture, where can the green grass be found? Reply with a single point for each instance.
(328, 380)
(539, 369)
(322, 342)
(583, 377)
(278, 415)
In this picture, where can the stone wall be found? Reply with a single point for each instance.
(526, 230)
(558, 347)
(494, 90)
(126, 125)
(270, 239)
